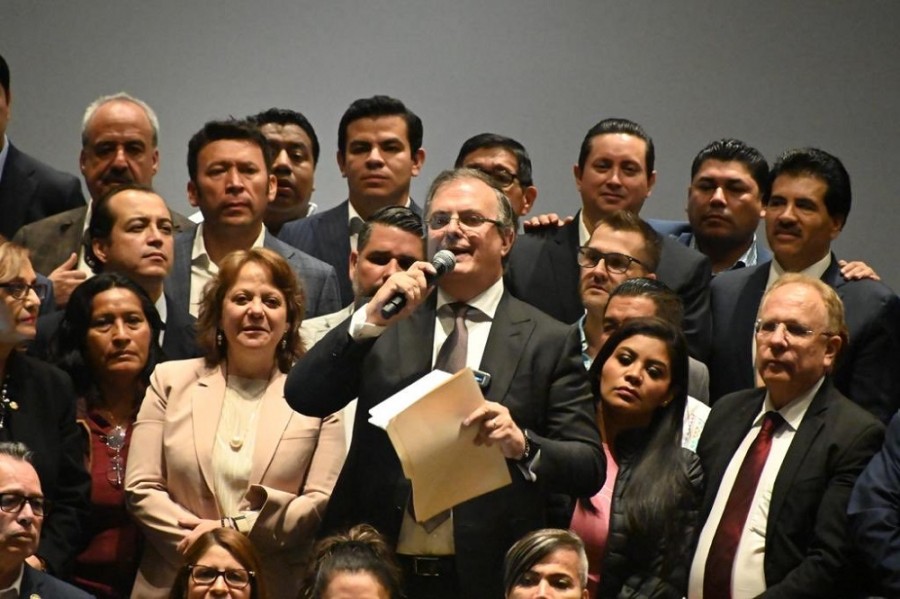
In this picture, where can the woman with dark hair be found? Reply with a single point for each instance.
(640, 528)
(356, 564)
(221, 562)
(106, 343)
(216, 444)
(37, 408)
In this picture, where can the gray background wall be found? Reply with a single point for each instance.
(776, 74)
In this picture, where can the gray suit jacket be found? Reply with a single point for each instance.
(30, 191)
(319, 281)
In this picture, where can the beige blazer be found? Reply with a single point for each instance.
(296, 462)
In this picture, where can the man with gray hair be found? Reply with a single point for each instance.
(544, 561)
(22, 510)
(538, 412)
(119, 136)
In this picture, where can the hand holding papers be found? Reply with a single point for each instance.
(438, 454)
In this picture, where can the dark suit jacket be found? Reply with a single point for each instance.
(31, 190)
(38, 584)
(543, 271)
(808, 551)
(326, 236)
(681, 230)
(874, 514)
(179, 340)
(867, 371)
(319, 281)
(45, 421)
(53, 239)
(537, 373)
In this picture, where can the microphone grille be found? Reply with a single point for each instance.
(444, 261)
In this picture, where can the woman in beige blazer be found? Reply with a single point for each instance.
(215, 443)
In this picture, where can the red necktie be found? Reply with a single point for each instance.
(720, 561)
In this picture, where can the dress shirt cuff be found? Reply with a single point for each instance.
(360, 329)
(528, 469)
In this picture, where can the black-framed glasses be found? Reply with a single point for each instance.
(792, 330)
(236, 578)
(13, 503)
(589, 257)
(467, 220)
(502, 177)
(19, 289)
(115, 441)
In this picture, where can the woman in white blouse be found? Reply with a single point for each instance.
(215, 443)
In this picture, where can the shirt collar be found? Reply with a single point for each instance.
(17, 585)
(815, 270)
(748, 258)
(3, 154)
(584, 236)
(585, 357)
(485, 302)
(198, 251)
(794, 412)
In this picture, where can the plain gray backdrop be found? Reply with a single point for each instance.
(775, 74)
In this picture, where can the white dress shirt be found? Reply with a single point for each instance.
(748, 577)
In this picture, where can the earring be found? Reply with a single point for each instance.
(220, 339)
(284, 342)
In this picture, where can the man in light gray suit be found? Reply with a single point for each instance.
(231, 182)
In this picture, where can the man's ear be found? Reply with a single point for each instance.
(530, 195)
(651, 181)
(100, 248)
(418, 161)
(192, 193)
(341, 162)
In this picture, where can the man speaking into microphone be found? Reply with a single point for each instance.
(538, 409)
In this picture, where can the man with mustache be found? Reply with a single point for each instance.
(806, 209)
(119, 137)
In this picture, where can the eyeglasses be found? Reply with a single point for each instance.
(13, 503)
(18, 290)
(468, 220)
(792, 330)
(115, 441)
(235, 578)
(588, 257)
(502, 177)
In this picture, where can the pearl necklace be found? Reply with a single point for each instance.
(6, 403)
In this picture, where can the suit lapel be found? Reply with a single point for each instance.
(744, 316)
(416, 331)
(509, 334)
(16, 192)
(206, 408)
(274, 415)
(806, 435)
(178, 283)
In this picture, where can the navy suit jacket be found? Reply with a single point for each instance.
(326, 236)
(320, 284)
(543, 271)
(867, 371)
(31, 190)
(808, 551)
(38, 584)
(681, 230)
(874, 514)
(536, 372)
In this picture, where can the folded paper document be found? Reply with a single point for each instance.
(438, 454)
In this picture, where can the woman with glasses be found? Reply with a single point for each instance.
(37, 408)
(106, 343)
(215, 443)
(220, 563)
(639, 529)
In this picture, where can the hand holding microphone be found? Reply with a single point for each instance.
(443, 262)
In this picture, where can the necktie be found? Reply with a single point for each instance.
(451, 358)
(452, 355)
(720, 561)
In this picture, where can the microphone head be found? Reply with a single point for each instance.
(444, 261)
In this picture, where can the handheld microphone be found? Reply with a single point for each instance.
(444, 261)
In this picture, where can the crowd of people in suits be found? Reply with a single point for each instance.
(684, 409)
